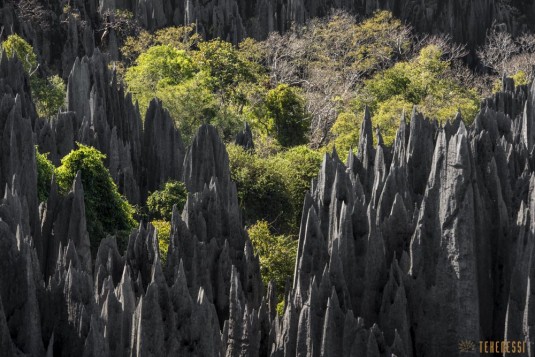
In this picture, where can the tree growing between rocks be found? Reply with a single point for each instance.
(160, 203)
(45, 170)
(107, 212)
(277, 255)
(49, 92)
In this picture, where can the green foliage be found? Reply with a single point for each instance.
(261, 188)
(207, 84)
(160, 203)
(107, 211)
(164, 234)
(226, 68)
(520, 78)
(288, 120)
(297, 166)
(50, 94)
(14, 44)
(155, 70)
(280, 307)
(346, 130)
(45, 170)
(276, 253)
(191, 103)
(425, 81)
(345, 45)
(272, 188)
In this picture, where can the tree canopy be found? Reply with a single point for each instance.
(160, 203)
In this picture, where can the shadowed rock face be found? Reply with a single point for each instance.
(402, 251)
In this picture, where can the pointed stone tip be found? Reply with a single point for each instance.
(461, 131)
(334, 154)
(414, 112)
(458, 116)
(380, 141)
(334, 297)
(367, 114)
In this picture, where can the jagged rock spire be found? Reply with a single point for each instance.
(245, 138)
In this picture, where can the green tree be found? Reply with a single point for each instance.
(287, 117)
(297, 167)
(226, 68)
(208, 85)
(277, 254)
(427, 82)
(107, 212)
(262, 192)
(191, 104)
(49, 93)
(155, 70)
(346, 130)
(45, 170)
(272, 188)
(14, 44)
(164, 234)
(160, 203)
(181, 37)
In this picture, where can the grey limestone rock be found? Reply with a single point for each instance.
(245, 138)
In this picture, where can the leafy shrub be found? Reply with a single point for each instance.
(276, 253)
(14, 44)
(346, 130)
(106, 210)
(262, 192)
(155, 70)
(45, 170)
(160, 203)
(297, 166)
(164, 234)
(288, 120)
(49, 93)
(272, 188)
